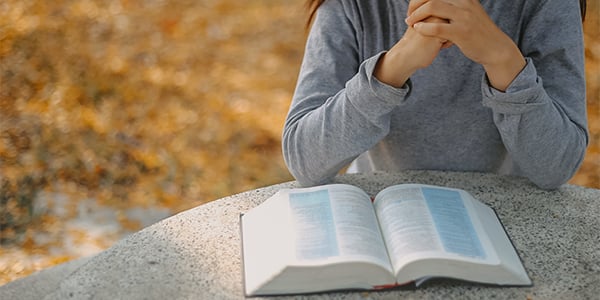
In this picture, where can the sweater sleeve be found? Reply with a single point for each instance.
(542, 115)
(339, 110)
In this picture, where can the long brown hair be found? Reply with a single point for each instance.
(583, 7)
(313, 5)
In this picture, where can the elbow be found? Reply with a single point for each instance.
(553, 180)
(559, 174)
(300, 165)
(550, 185)
(302, 172)
(550, 180)
(308, 182)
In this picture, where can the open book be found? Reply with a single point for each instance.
(335, 237)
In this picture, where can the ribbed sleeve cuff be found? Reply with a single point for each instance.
(372, 96)
(524, 94)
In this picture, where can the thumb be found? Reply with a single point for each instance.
(432, 29)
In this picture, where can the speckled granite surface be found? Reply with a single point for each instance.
(196, 254)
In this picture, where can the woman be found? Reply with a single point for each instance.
(462, 85)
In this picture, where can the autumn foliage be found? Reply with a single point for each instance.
(155, 103)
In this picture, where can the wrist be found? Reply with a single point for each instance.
(391, 70)
(502, 71)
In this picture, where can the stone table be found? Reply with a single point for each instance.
(196, 254)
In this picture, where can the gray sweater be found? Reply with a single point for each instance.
(447, 116)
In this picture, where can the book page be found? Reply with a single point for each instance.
(312, 218)
(406, 224)
(452, 222)
(266, 248)
(336, 223)
(421, 222)
(314, 239)
(503, 249)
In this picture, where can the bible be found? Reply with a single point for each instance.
(336, 237)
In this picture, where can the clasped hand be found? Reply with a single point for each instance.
(436, 24)
(467, 25)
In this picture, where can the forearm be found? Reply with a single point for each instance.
(314, 152)
(319, 140)
(409, 54)
(547, 155)
(318, 145)
(508, 64)
(545, 138)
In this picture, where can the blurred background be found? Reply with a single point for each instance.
(115, 114)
